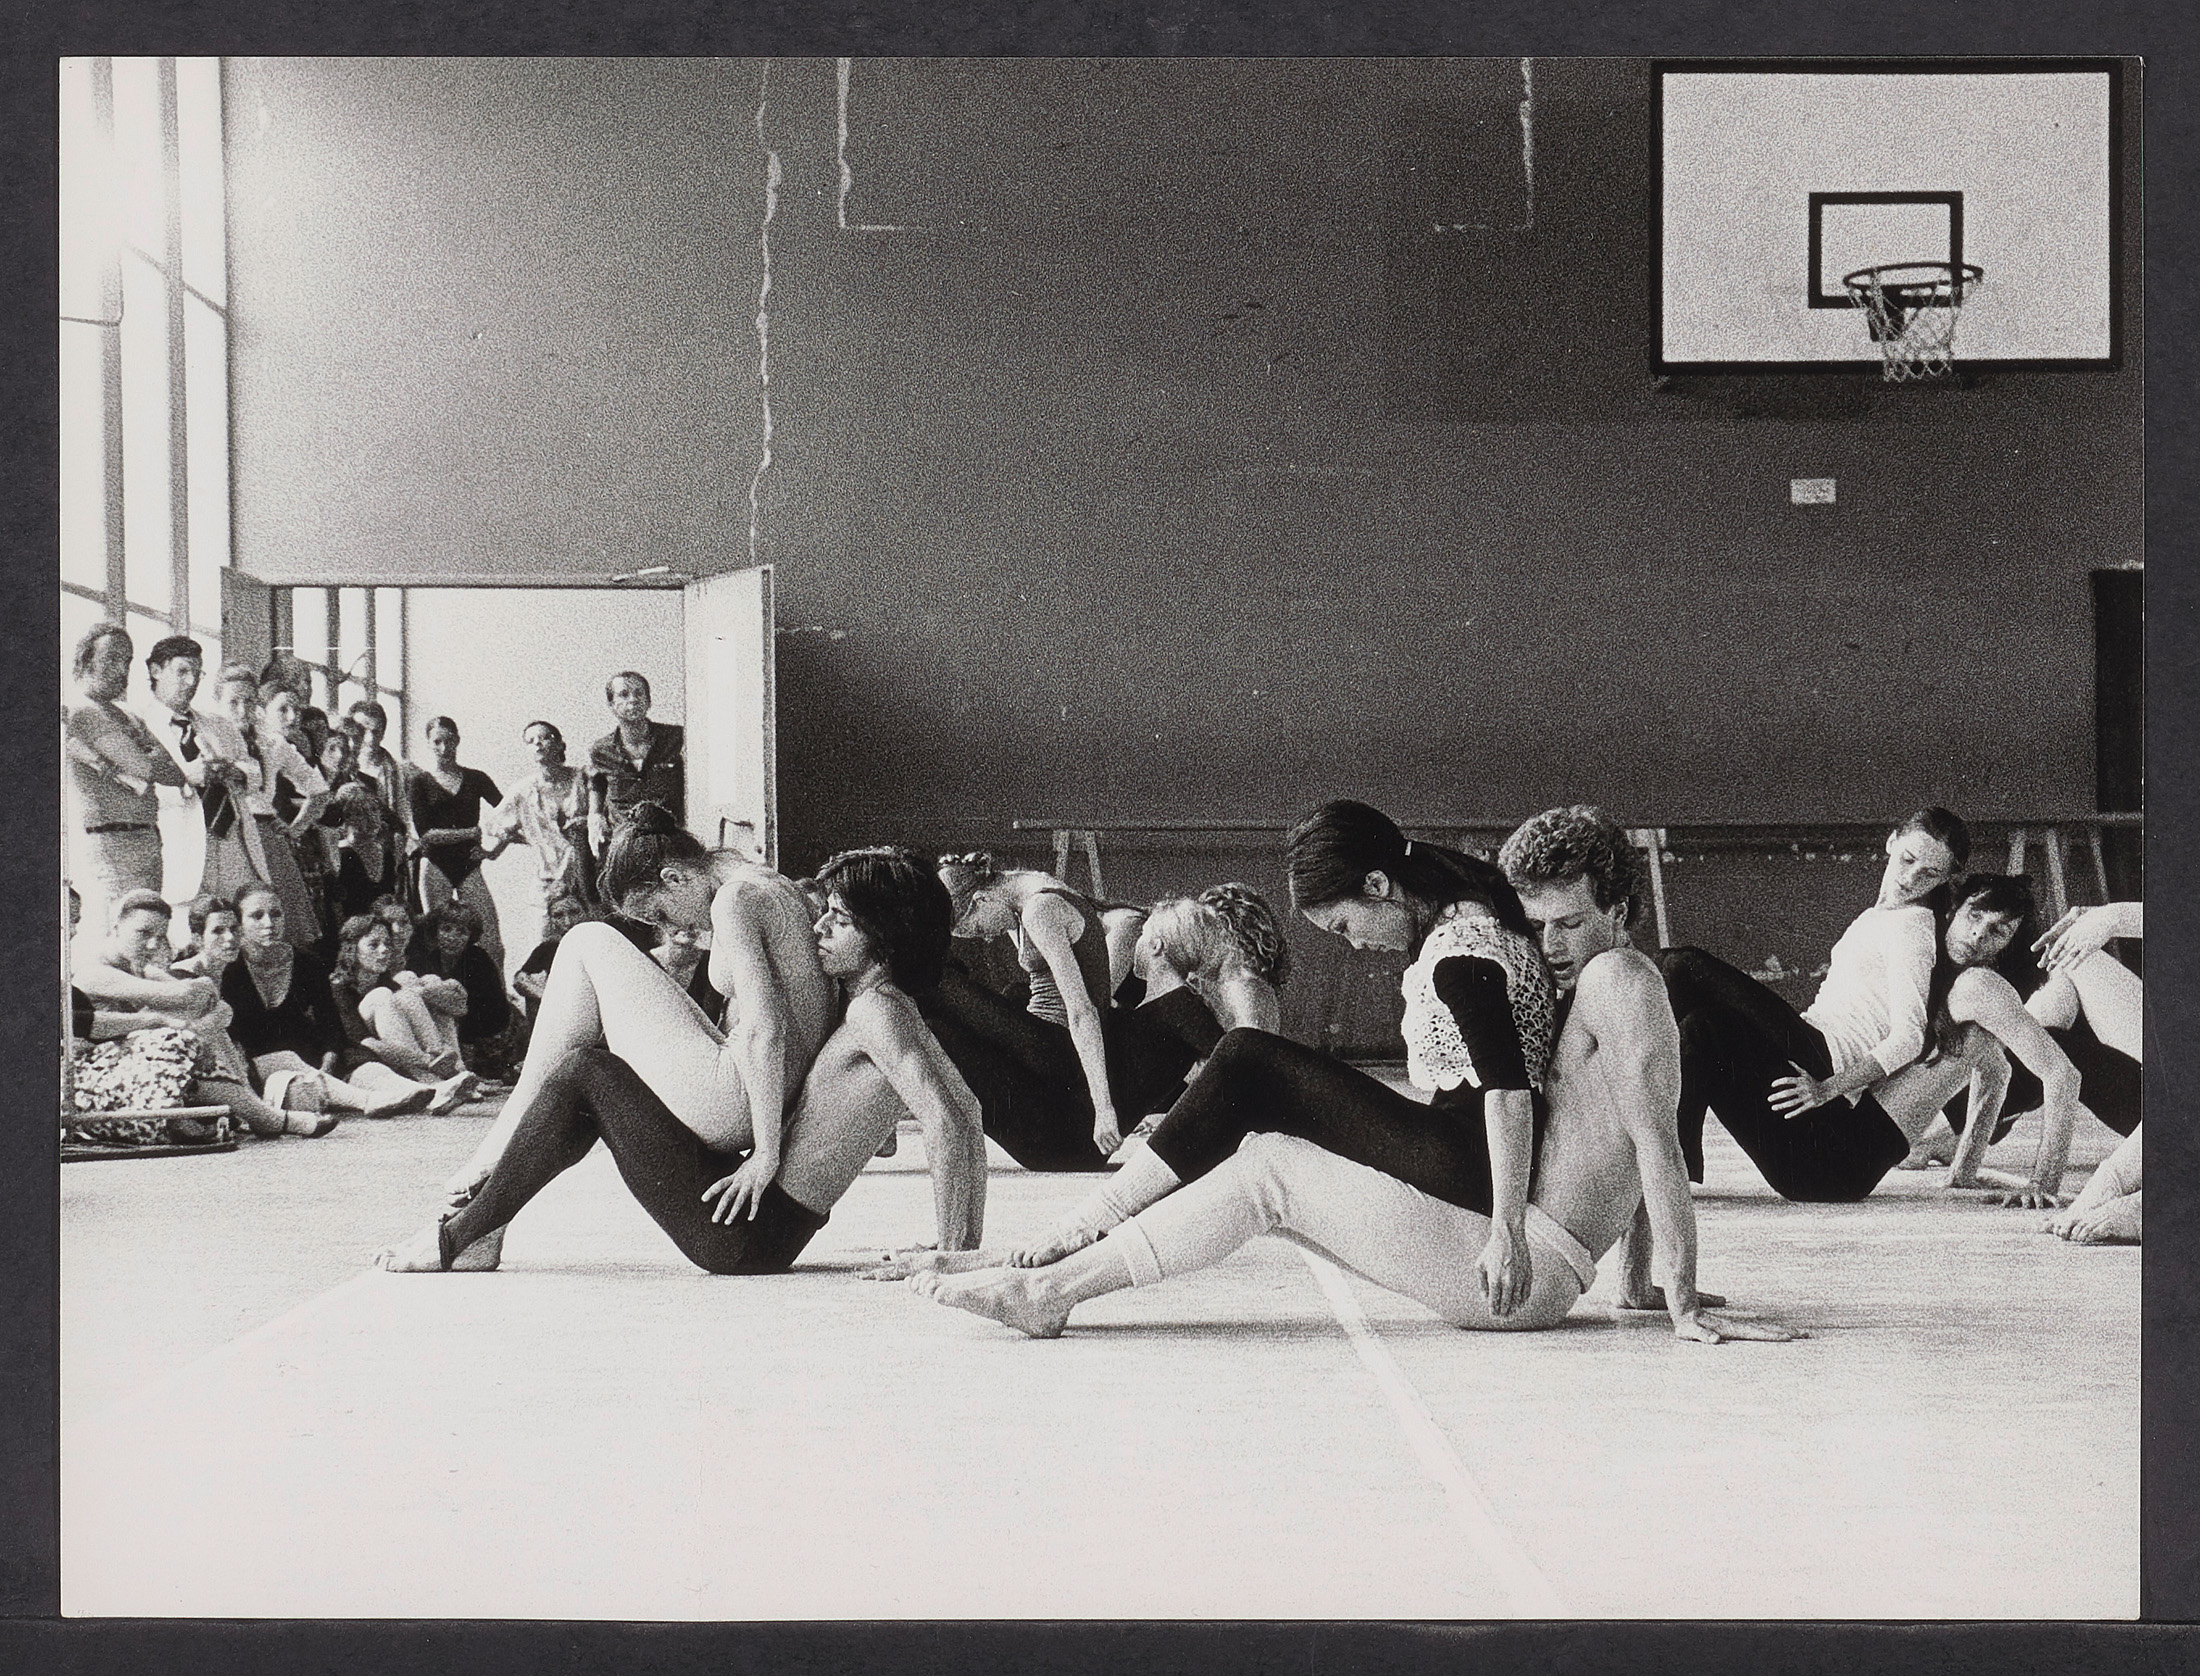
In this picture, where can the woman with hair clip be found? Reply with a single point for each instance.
(1795, 1090)
(1479, 1021)
(883, 931)
(733, 1086)
(448, 803)
(1040, 1071)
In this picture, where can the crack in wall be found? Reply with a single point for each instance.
(763, 310)
(1527, 140)
(847, 175)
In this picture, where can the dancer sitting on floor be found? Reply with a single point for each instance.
(884, 929)
(1613, 1085)
(1478, 1027)
(1040, 1071)
(1794, 1089)
(2088, 986)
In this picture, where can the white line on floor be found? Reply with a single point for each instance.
(1532, 1594)
(166, 1383)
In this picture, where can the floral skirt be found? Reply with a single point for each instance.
(146, 1072)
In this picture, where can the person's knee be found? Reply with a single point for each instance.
(1264, 1162)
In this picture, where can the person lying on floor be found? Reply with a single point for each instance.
(620, 1053)
(1611, 1141)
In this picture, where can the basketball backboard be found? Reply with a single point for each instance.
(1772, 181)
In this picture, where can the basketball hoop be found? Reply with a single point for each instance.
(1911, 309)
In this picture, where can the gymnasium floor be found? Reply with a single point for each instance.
(254, 1425)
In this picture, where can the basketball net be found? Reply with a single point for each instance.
(1911, 309)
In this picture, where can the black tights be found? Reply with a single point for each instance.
(1266, 1084)
(1737, 1039)
(593, 1093)
(1024, 1070)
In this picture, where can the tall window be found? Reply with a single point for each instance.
(144, 349)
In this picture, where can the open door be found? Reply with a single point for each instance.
(248, 620)
(732, 742)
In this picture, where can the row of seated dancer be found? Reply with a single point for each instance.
(1568, 1073)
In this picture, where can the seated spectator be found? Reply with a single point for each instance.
(214, 942)
(446, 946)
(163, 1041)
(387, 1017)
(288, 1023)
(685, 954)
(560, 915)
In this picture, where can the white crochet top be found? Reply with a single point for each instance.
(1436, 1057)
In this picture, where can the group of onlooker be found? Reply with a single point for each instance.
(340, 917)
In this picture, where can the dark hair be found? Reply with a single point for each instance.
(551, 728)
(255, 888)
(373, 712)
(200, 909)
(1995, 893)
(1330, 853)
(435, 722)
(382, 904)
(88, 647)
(141, 902)
(1255, 929)
(1938, 823)
(648, 696)
(649, 841)
(1577, 842)
(171, 647)
(900, 906)
(454, 912)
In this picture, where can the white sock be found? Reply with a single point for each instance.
(1136, 1185)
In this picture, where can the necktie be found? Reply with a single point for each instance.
(187, 742)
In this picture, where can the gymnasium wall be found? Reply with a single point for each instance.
(1158, 439)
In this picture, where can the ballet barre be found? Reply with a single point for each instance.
(2053, 835)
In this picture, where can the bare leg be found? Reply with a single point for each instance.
(604, 992)
(2106, 992)
(1936, 1146)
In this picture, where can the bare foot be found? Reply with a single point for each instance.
(309, 1125)
(1927, 1157)
(1654, 1299)
(422, 1254)
(1003, 1295)
(1056, 1247)
(900, 1265)
(2115, 1223)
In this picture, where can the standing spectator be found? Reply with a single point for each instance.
(548, 812)
(282, 722)
(638, 761)
(114, 764)
(255, 846)
(448, 801)
(388, 774)
(189, 812)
